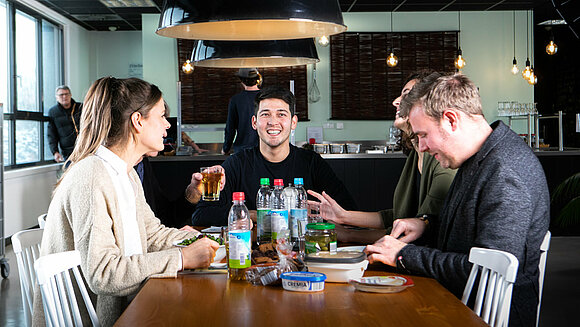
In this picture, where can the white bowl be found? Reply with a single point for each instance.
(339, 272)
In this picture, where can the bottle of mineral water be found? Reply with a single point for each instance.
(298, 210)
(263, 207)
(279, 212)
(239, 245)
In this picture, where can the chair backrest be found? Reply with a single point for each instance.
(542, 267)
(26, 246)
(58, 294)
(42, 220)
(498, 274)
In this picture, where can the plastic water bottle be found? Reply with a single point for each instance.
(279, 212)
(298, 212)
(239, 245)
(263, 206)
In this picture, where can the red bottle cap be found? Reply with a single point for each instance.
(239, 196)
(278, 182)
(311, 140)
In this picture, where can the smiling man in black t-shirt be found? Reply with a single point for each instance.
(274, 157)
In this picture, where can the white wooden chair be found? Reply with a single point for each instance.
(42, 220)
(542, 267)
(26, 246)
(498, 274)
(58, 294)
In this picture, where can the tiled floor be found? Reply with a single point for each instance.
(560, 302)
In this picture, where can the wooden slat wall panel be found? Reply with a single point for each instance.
(363, 86)
(206, 92)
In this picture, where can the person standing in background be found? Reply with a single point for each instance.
(63, 124)
(240, 112)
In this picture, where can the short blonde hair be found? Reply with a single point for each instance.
(452, 92)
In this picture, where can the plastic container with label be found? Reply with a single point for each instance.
(302, 281)
(339, 267)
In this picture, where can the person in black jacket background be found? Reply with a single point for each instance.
(63, 124)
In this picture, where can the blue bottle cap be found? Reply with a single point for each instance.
(298, 181)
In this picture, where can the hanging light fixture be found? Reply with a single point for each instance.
(187, 67)
(527, 71)
(228, 20)
(392, 60)
(514, 69)
(247, 54)
(323, 41)
(459, 60)
(533, 79)
(551, 48)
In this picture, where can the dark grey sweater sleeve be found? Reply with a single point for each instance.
(502, 211)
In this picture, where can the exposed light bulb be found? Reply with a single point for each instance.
(526, 72)
(515, 69)
(532, 79)
(187, 67)
(392, 60)
(324, 41)
(551, 48)
(459, 60)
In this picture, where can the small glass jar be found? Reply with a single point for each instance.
(320, 237)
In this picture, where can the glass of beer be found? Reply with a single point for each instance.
(210, 183)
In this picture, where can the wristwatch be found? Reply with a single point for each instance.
(425, 219)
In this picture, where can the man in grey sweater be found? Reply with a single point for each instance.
(498, 200)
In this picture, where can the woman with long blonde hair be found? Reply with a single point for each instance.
(98, 206)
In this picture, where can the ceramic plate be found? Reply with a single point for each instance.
(382, 284)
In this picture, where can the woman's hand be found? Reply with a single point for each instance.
(199, 254)
(329, 208)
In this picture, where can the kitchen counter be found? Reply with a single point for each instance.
(221, 157)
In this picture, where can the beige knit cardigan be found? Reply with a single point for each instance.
(84, 215)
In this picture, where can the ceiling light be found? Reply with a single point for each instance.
(551, 48)
(392, 60)
(229, 20)
(527, 71)
(128, 3)
(459, 60)
(324, 41)
(240, 54)
(187, 67)
(514, 69)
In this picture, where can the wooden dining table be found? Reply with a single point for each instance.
(210, 299)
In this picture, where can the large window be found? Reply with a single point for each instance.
(32, 53)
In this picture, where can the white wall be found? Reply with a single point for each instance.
(486, 41)
(112, 53)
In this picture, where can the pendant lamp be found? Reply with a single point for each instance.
(187, 67)
(514, 69)
(459, 60)
(533, 78)
(527, 71)
(392, 60)
(228, 20)
(247, 54)
(323, 41)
